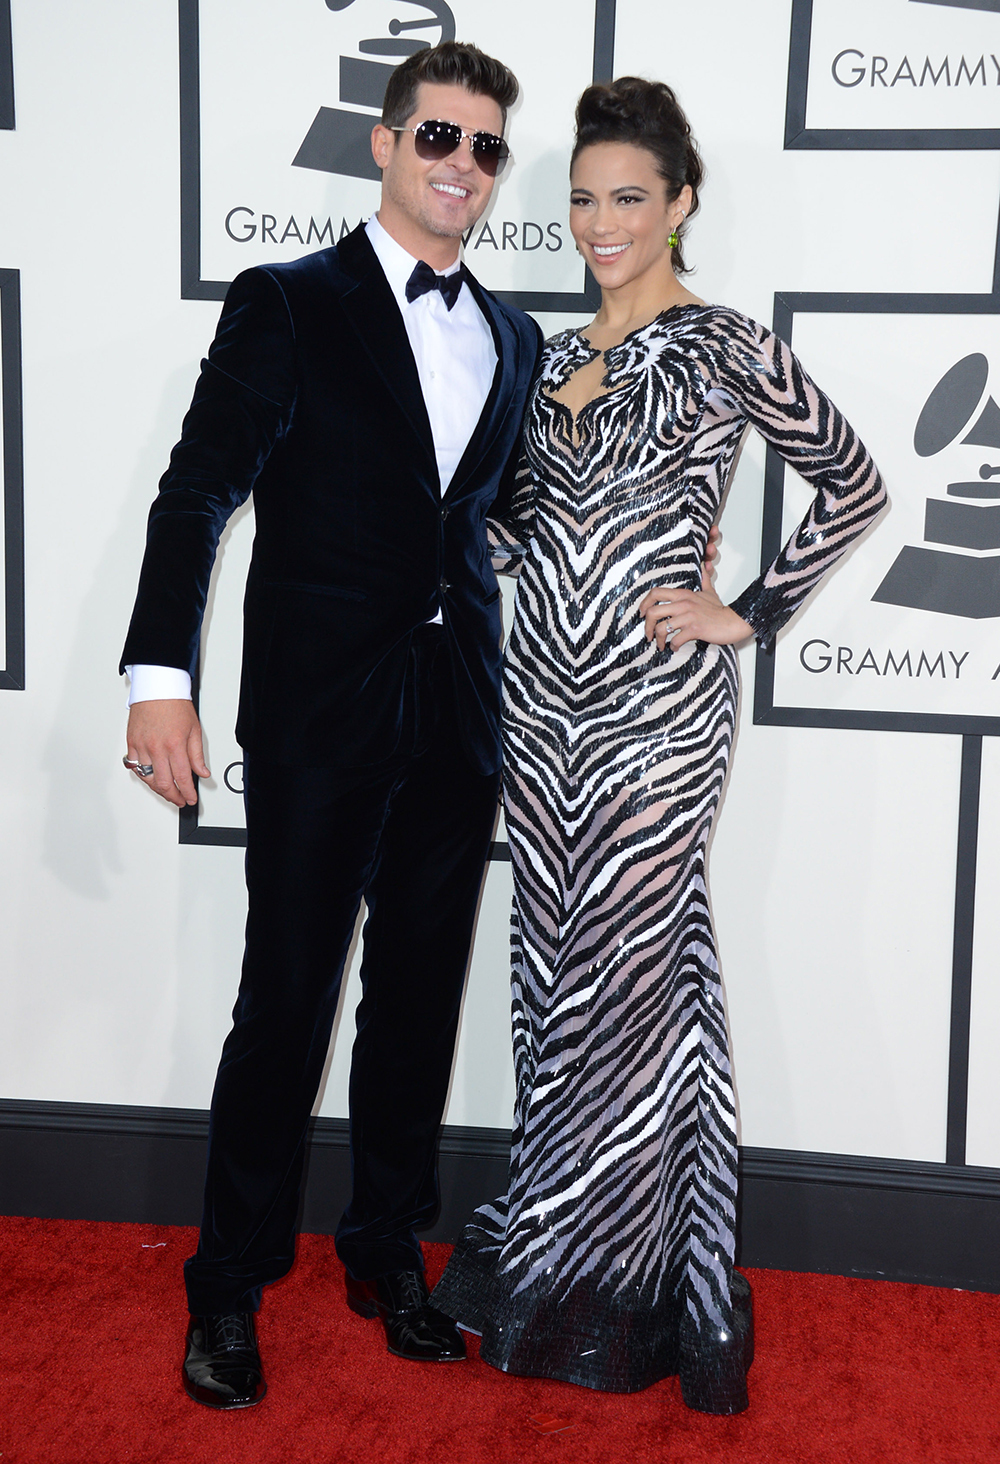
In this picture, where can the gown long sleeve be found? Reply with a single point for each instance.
(775, 394)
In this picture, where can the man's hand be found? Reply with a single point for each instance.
(712, 547)
(168, 735)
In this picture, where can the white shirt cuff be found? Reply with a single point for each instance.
(158, 683)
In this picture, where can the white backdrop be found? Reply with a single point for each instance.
(832, 866)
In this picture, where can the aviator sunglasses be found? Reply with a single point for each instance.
(435, 140)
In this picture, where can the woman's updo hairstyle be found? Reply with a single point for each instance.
(647, 114)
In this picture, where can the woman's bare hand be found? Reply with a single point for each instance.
(678, 616)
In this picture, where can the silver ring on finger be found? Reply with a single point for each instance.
(145, 770)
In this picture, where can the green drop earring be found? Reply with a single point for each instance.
(673, 239)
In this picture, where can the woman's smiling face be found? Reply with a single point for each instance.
(619, 214)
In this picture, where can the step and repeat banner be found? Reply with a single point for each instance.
(150, 153)
(302, 174)
(906, 636)
(893, 73)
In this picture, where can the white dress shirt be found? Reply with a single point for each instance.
(456, 360)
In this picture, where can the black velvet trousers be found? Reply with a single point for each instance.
(410, 837)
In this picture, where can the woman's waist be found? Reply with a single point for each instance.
(593, 615)
(612, 676)
(608, 573)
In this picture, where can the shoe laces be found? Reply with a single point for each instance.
(233, 1332)
(412, 1290)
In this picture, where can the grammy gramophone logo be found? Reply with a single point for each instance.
(339, 140)
(966, 583)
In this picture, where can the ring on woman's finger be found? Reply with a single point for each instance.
(145, 770)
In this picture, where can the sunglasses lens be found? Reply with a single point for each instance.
(490, 152)
(436, 140)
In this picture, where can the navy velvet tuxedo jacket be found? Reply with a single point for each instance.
(310, 397)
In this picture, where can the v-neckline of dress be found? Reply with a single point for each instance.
(575, 419)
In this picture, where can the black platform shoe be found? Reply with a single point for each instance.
(714, 1362)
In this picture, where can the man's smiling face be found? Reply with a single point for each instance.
(426, 202)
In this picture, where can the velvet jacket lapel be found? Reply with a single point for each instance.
(508, 349)
(369, 305)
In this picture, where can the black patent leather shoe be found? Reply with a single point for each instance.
(413, 1328)
(222, 1368)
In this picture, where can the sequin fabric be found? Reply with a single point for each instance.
(609, 1262)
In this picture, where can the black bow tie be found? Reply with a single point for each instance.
(423, 279)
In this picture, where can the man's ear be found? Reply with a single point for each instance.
(383, 140)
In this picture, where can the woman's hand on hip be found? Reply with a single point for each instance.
(678, 616)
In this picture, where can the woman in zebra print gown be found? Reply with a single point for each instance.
(609, 1262)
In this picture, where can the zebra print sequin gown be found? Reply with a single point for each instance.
(620, 1212)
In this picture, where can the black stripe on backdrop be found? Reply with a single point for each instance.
(962, 950)
(6, 69)
(12, 673)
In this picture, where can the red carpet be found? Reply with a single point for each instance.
(846, 1371)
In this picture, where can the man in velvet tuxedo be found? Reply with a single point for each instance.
(373, 404)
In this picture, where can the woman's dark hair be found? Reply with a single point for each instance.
(452, 63)
(648, 114)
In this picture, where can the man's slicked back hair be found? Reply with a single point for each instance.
(452, 63)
